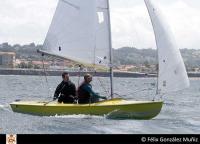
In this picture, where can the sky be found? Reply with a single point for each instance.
(27, 21)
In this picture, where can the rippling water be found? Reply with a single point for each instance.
(180, 113)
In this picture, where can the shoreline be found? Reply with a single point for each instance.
(100, 74)
(59, 73)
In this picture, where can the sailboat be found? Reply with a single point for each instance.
(81, 31)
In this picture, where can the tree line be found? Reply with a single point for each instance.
(122, 56)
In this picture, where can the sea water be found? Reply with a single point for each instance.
(180, 112)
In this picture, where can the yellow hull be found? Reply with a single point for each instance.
(115, 108)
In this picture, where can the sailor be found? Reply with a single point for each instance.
(85, 92)
(66, 90)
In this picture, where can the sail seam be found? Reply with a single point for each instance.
(72, 5)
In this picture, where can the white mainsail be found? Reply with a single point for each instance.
(79, 31)
(172, 73)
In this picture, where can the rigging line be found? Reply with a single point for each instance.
(102, 85)
(100, 82)
(45, 74)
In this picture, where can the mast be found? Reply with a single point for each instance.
(110, 52)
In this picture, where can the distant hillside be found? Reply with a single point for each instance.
(122, 56)
(28, 52)
(135, 56)
(127, 55)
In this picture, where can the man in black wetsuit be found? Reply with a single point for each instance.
(65, 91)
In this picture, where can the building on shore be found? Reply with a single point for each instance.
(7, 59)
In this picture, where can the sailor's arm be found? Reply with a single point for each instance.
(89, 89)
(73, 92)
(57, 91)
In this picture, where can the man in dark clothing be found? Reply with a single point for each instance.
(85, 92)
(65, 91)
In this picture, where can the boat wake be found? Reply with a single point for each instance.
(4, 107)
(80, 116)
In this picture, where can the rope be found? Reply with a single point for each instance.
(45, 74)
(101, 84)
(104, 88)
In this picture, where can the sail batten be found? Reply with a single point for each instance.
(172, 73)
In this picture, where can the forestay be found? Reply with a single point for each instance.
(79, 31)
(172, 72)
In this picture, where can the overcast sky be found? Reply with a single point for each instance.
(26, 21)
